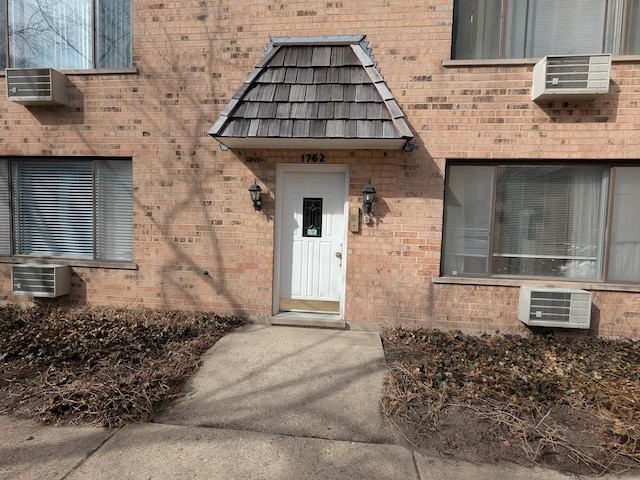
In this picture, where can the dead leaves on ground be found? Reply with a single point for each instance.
(101, 365)
(515, 382)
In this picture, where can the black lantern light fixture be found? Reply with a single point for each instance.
(367, 197)
(255, 192)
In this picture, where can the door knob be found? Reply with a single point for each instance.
(338, 255)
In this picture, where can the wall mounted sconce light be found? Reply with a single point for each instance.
(255, 192)
(367, 197)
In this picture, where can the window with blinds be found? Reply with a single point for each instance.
(5, 211)
(542, 221)
(68, 34)
(535, 28)
(67, 208)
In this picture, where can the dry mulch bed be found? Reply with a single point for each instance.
(104, 366)
(569, 403)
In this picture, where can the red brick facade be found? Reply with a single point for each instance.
(192, 212)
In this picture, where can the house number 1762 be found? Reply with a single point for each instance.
(312, 158)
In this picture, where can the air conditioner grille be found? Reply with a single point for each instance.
(555, 307)
(40, 280)
(36, 86)
(578, 77)
(30, 82)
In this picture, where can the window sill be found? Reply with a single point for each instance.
(501, 62)
(112, 264)
(96, 71)
(513, 282)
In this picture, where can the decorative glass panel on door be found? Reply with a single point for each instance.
(312, 217)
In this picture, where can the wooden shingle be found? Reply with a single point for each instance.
(267, 110)
(290, 57)
(305, 76)
(321, 56)
(317, 128)
(310, 90)
(283, 110)
(297, 93)
(326, 110)
(282, 92)
(301, 128)
(310, 95)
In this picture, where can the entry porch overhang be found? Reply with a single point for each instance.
(314, 92)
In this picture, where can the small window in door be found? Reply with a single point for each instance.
(312, 217)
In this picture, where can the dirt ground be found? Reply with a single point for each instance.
(568, 403)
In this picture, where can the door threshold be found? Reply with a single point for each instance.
(308, 319)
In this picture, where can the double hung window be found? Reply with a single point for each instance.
(66, 34)
(80, 209)
(487, 29)
(542, 221)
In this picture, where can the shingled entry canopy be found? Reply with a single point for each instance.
(314, 92)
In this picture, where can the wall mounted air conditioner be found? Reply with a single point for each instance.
(33, 280)
(555, 307)
(570, 77)
(36, 86)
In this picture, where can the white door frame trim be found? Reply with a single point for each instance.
(280, 170)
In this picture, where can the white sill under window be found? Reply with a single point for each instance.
(501, 62)
(517, 282)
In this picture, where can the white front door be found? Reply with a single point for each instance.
(312, 236)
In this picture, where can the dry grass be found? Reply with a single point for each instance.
(568, 402)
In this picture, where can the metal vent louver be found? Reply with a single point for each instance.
(36, 86)
(40, 280)
(571, 77)
(555, 307)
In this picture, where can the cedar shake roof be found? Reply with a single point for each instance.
(313, 92)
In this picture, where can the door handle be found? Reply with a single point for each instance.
(338, 255)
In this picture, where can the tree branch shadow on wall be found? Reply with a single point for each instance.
(603, 109)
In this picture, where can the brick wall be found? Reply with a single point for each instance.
(198, 242)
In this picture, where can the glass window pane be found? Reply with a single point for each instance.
(50, 33)
(624, 251)
(632, 39)
(312, 217)
(556, 27)
(113, 34)
(476, 29)
(3, 26)
(549, 221)
(53, 208)
(535, 28)
(114, 210)
(467, 220)
(5, 212)
(516, 28)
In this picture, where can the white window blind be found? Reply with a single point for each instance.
(113, 33)
(535, 28)
(53, 208)
(5, 212)
(624, 257)
(560, 27)
(549, 221)
(114, 210)
(468, 220)
(3, 33)
(51, 33)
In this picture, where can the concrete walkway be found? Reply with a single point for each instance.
(268, 403)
